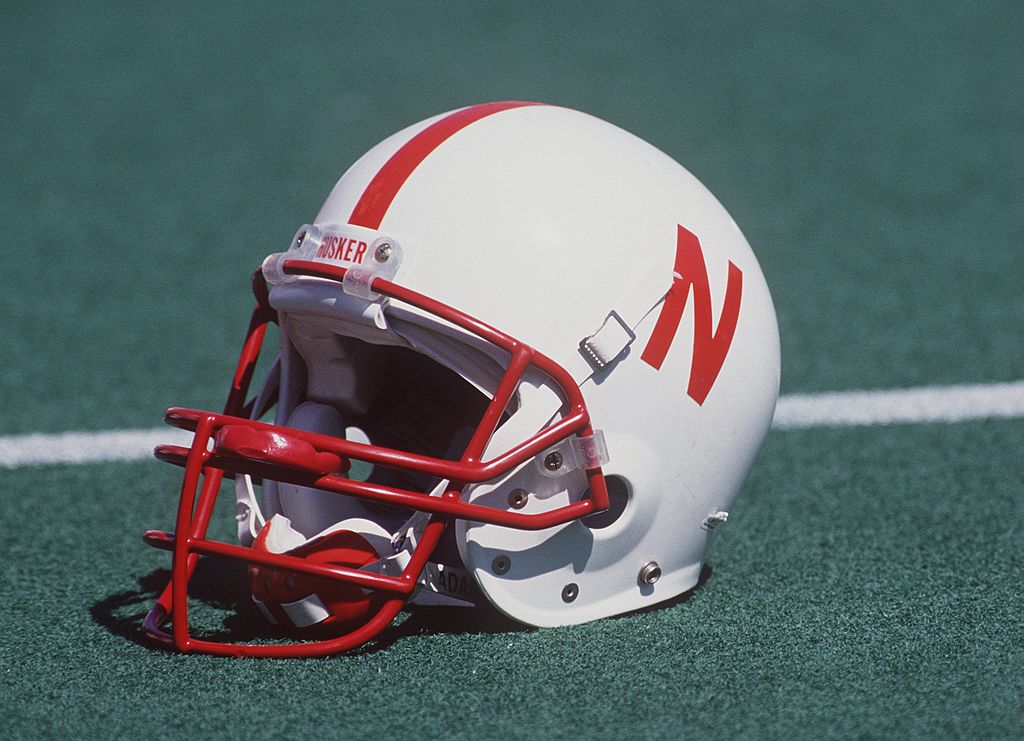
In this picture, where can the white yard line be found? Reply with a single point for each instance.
(796, 411)
(87, 447)
(926, 404)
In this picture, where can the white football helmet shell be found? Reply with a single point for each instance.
(574, 238)
(542, 221)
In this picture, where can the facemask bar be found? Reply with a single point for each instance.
(319, 461)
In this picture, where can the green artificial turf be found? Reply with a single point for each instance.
(869, 586)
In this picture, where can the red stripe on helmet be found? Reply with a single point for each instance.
(381, 191)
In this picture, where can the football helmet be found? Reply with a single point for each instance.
(525, 359)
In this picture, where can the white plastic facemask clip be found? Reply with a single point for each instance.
(304, 244)
(382, 261)
(574, 453)
(340, 246)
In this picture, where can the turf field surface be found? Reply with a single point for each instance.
(868, 584)
(862, 591)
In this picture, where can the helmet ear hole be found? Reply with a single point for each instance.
(618, 498)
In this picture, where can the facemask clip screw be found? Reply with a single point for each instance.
(517, 498)
(501, 565)
(570, 592)
(553, 461)
(650, 573)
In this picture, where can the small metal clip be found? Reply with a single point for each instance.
(715, 519)
(608, 342)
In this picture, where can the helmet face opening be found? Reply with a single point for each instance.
(413, 479)
(409, 403)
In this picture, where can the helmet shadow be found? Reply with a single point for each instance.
(219, 594)
(220, 599)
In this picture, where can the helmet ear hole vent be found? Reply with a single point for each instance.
(618, 498)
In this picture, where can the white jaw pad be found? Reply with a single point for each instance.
(306, 611)
(282, 537)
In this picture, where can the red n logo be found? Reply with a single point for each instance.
(709, 347)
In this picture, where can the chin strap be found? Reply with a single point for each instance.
(247, 510)
(302, 602)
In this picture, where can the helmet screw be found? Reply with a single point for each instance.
(298, 239)
(553, 460)
(517, 498)
(649, 573)
(383, 252)
(501, 565)
(570, 592)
